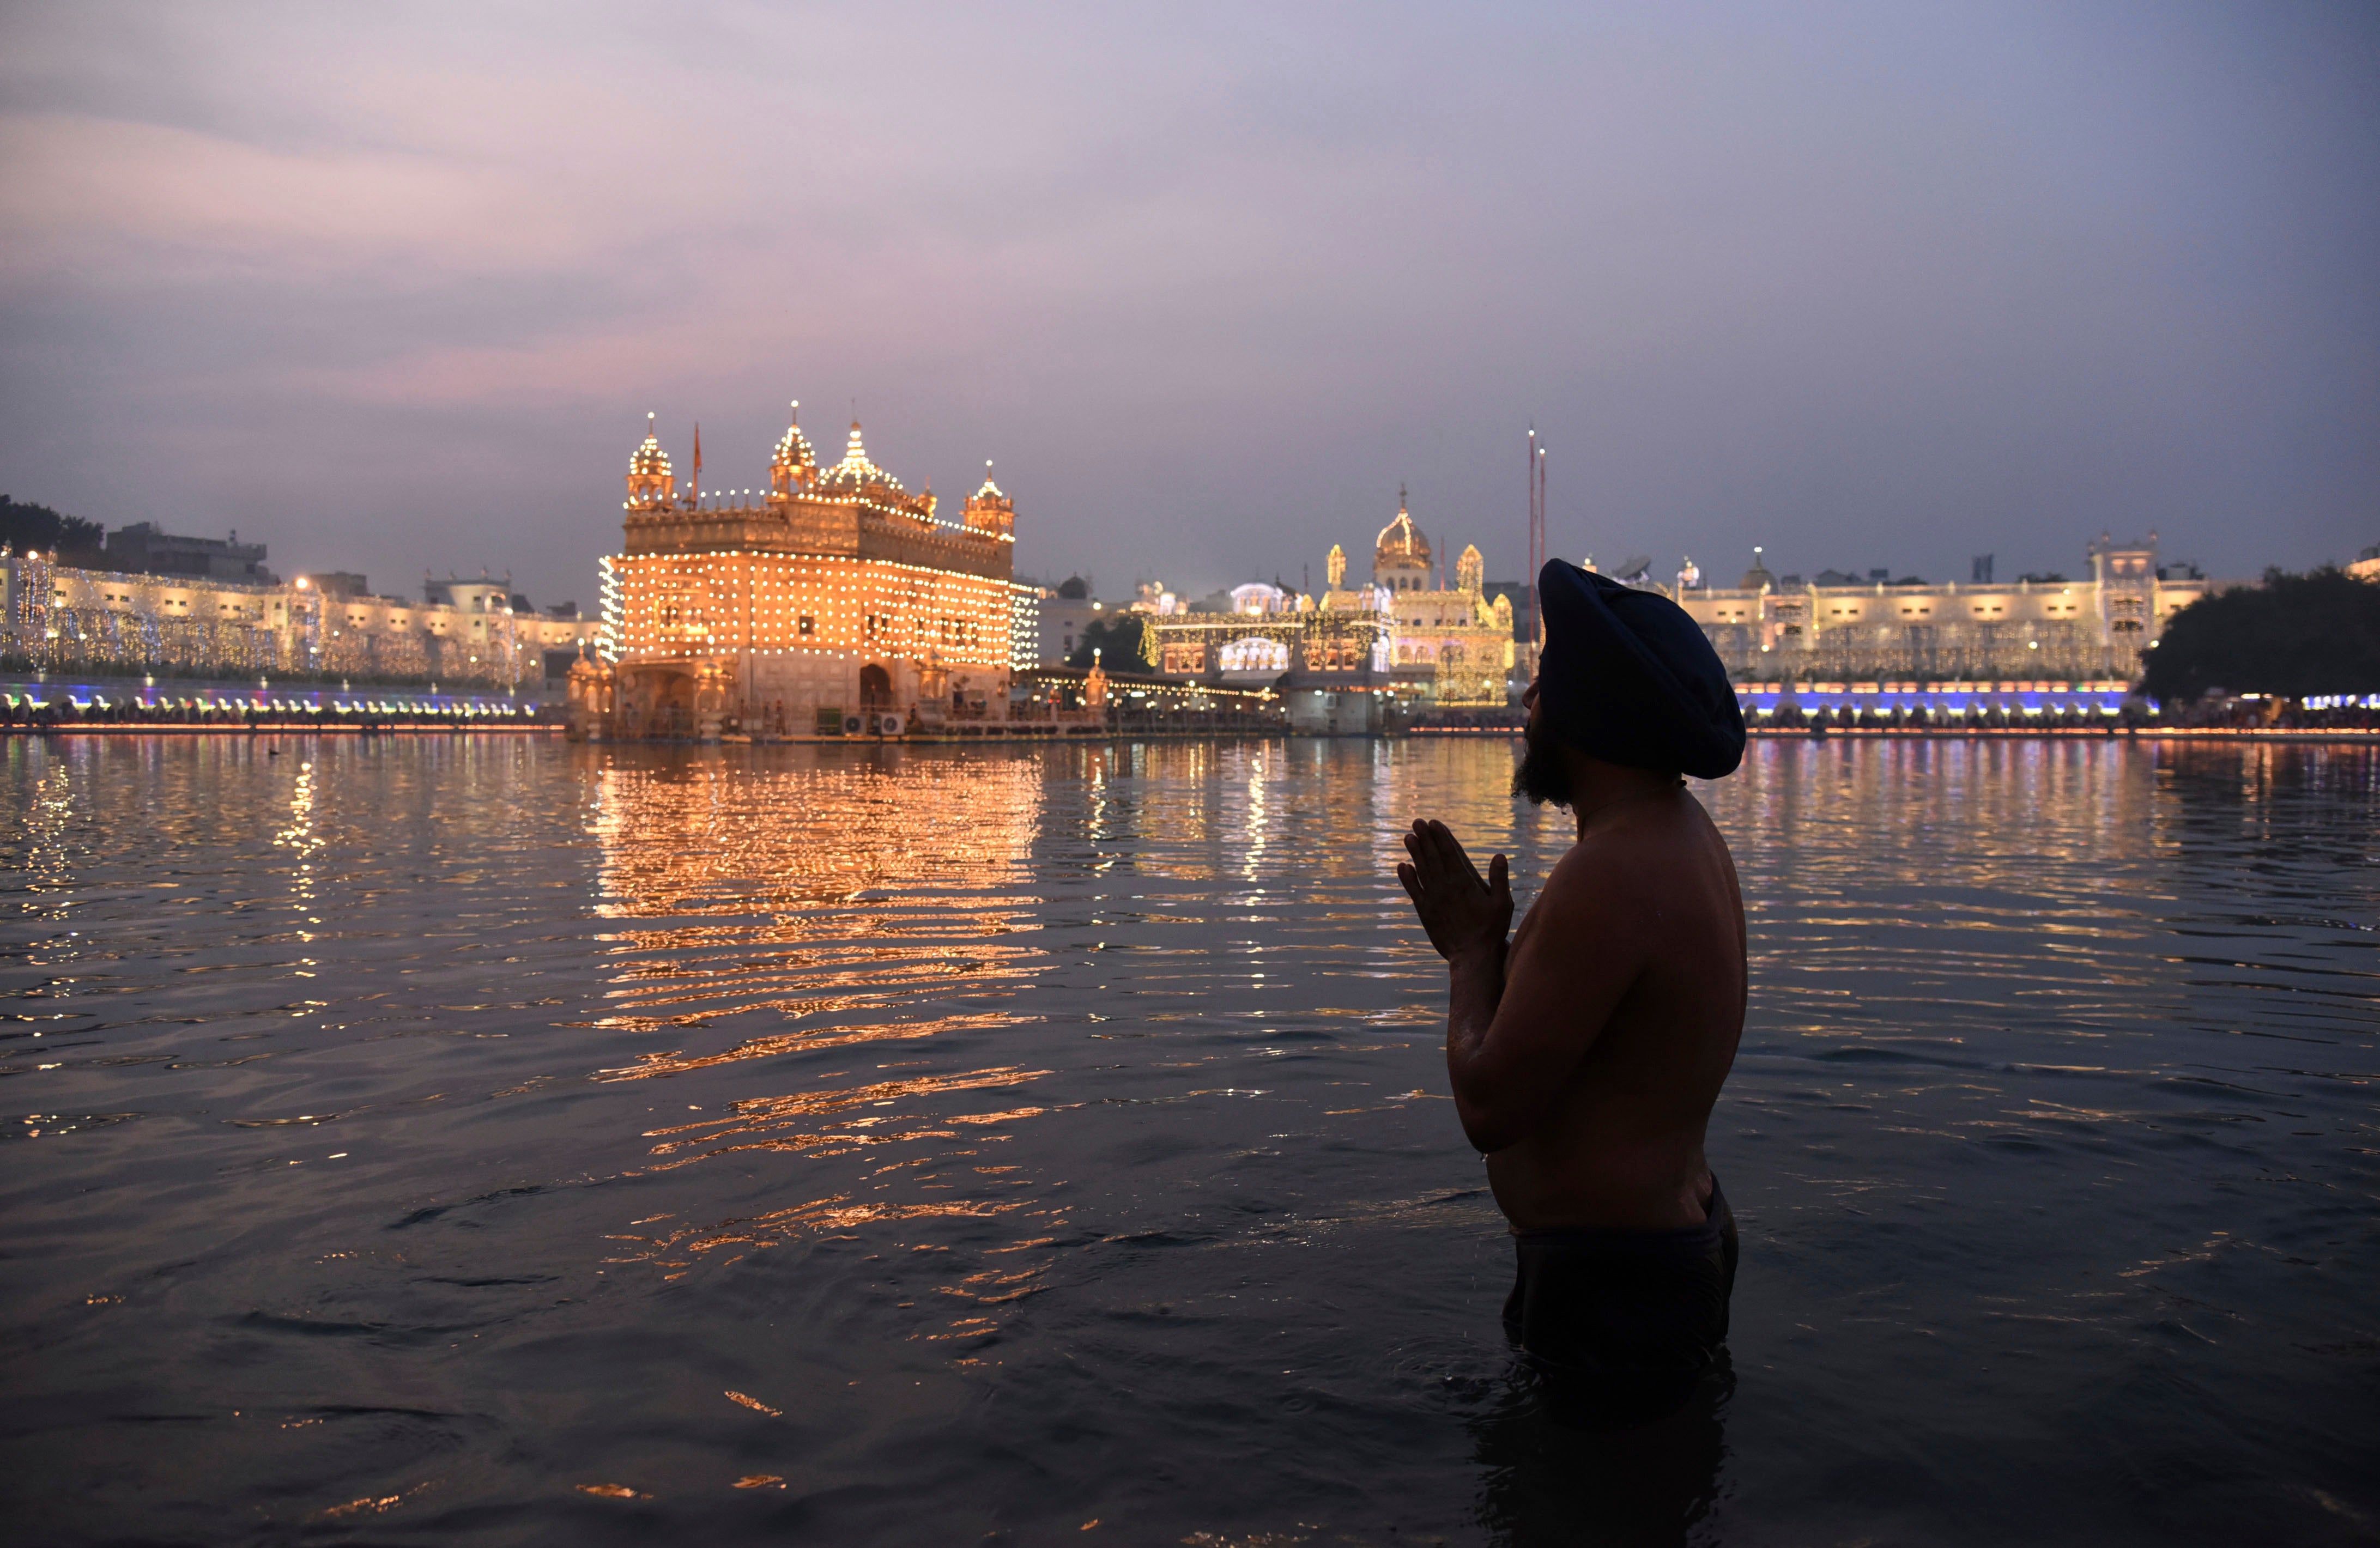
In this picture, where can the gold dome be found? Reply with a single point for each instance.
(649, 461)
(1400, 542)
(794, 447)
(855, 472)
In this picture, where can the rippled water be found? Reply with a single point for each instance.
(485, 1138)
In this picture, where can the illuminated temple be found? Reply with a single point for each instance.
(1449, 644)
(1352, 659)
(834, 602)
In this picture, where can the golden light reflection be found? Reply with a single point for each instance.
(762, 1122)
(812, 891)
(822, 905)
(304, 842)
(47, 818)
(678, 1062)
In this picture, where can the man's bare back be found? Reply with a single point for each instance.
(1585, 1055)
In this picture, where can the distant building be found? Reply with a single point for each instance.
(1839, 629)
(143, 549)
(337, 583)
(113, 622)
(1451, 646)
(2366, 565)
(1064, 614)
(483, 595)
(1342, 660)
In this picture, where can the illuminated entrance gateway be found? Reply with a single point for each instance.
(833, 603)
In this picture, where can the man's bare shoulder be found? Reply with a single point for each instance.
(1613, 870)
(1597, 877)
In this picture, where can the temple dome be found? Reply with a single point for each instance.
(1400, 542)
(794, 447)
(649, 460)
(989, 510)
(855, 472)
(1757, 579)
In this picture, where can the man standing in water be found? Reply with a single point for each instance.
(1586, 1054)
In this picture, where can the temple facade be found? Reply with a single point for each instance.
(833, 603)
(1449, 645)
(1357, 658)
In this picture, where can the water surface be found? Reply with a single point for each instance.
(489, 1139)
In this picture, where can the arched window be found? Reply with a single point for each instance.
(1255, 653)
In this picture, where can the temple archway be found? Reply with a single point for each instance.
(875, 687)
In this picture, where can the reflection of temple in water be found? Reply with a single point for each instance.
(759, 913)
(796, 890)
(833, 603)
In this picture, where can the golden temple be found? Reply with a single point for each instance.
(834, 602)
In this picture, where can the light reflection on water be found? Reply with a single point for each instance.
(471, 1137)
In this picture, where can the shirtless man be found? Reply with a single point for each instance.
(1585, 1055)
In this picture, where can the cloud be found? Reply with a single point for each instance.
(1864, 286)
(97, 201)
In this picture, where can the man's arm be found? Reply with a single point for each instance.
(1519, 1017)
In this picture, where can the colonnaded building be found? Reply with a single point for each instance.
(2039, 628)
(834, 602)
(245, 624)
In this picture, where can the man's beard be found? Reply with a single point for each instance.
(1540, 775)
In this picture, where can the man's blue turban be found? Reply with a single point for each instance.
(1626, 676)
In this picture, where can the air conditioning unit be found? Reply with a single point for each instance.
(888, 725)
(853, 725)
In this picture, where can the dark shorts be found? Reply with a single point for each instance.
(1640, 1315)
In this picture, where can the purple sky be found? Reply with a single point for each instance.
(393, 287)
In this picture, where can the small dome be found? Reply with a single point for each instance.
(855, 472)
(794, 447)
(1470, 569)
(649, 461)
(1757, 579)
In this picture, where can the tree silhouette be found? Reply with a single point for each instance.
(25, 526)
(2293, 635)
(1128, 643)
